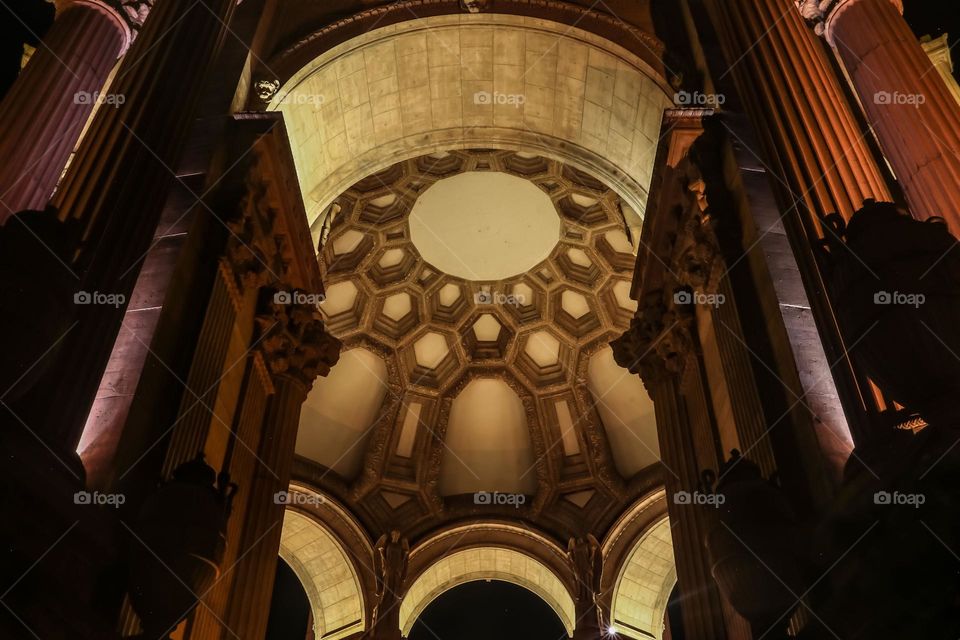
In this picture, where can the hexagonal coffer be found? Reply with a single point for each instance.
(574, 312)
(543, 358)
(583, 209)
(392, 265)
(616, 249)
(487, 338)
(397, 315)
(342, 307)
(577, 265)
(382, 209)
(431, 360)
(345, 251)
(449, 303)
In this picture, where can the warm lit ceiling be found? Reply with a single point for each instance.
(484, 225)
(503, 381)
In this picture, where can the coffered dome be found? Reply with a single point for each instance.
(475, 292)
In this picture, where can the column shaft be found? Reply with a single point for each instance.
(42, 116)
(798, 106)
(916, 119)
(249, 608)
(117, 186)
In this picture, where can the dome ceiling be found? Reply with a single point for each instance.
(496, 383)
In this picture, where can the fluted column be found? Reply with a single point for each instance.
(798, 106)
(916, 119)
(117, 185)
(658, 350)
(297, 349)
(42, 116)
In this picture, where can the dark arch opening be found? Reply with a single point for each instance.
(289, 607)
(674, 621)
(483, 610)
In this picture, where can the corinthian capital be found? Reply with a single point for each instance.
(128, 15)
(656, 344)
(820, 13)
(293, 338)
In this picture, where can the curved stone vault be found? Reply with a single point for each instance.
(541, 334)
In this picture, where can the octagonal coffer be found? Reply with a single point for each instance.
(347, 249)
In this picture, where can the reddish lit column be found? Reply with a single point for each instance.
(117, 185)
(798, 106)
(916, 119)
(42, 116)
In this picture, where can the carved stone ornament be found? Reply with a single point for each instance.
(254, 252)
(294, 341)
(266, 89)
(696, 259)
(656, 344)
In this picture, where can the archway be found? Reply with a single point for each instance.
(328, 576)
(644, 585)
(486, 563)
(485, 609)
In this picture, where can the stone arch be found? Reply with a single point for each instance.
(327, 566)
(352, 111)
(639, 569)
(487, 563)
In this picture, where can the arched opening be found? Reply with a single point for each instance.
(289, 606)
(329, 578)
(486, 563)
(485, 609)
(644, 586)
